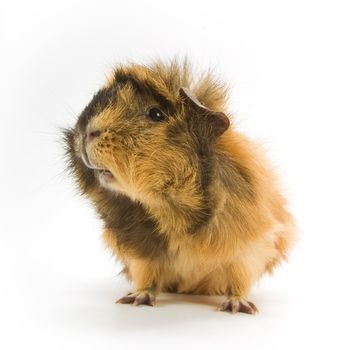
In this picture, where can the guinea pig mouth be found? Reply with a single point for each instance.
(104, 174)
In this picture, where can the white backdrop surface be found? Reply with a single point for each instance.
(288, 66)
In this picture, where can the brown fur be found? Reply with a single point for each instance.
(188, 209)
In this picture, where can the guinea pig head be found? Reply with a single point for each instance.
(143, 136)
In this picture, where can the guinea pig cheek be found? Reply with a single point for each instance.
(110, 159)
(99, 157)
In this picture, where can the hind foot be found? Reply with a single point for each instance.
(140, 297)
(238, 305)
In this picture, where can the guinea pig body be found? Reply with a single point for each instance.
(190, 205)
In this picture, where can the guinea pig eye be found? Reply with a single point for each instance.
(155, 114)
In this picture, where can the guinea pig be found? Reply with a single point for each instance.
(189, 204)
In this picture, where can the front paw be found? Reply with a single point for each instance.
(238, 305)
(140, 297)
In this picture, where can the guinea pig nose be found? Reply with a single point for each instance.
(92, 134)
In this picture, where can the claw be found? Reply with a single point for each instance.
(145, 299)
(126, 300)
(238, 305)
(138, 298)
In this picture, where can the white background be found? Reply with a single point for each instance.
(288, 66)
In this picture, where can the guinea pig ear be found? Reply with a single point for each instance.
(217, 122)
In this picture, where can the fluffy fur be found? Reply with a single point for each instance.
(188, 204)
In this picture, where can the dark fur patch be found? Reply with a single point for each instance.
(107, 96)
(235, 177)
(143, 88)
(201, 150)
(205, 160)
(101, 100)
(132, 225)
